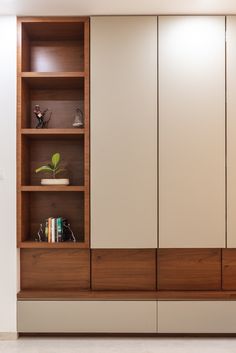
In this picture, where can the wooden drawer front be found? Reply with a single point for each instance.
(229, 269)
(87, 316)
(55, 269)
(196, 317)
(189, 269)
(124, 269)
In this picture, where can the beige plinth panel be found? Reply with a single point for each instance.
(231, 130)
(196, 317)
(124, 132)
(192, 131)
(87, 316)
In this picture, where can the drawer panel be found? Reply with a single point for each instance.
(87, 316)
(124, 269)
(229, 269)
(196, 317)
(189, 269)
(55, 269)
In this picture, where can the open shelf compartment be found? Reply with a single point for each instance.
(53, 46)
(60, 95)
(36, 150)
(39, 206)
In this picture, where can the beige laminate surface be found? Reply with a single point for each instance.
(91, 316)
(124, 132)
(196, 317)
(231, 131)
(192, 131)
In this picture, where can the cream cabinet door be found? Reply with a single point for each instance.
(87, 316)
(196, 317)
(231, 131)
(124, 132)
(191, 131)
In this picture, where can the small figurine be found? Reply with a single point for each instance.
(79, 119)
(41, 117)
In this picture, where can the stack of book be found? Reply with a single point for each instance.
(54, 230)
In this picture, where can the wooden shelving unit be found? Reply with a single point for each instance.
(53, 71)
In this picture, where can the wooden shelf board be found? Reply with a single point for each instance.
(126, 295)
(42, 188)
(54, 80)
(40, 132)
(45, 245)
(32, 74)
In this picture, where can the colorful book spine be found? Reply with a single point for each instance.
(59, 229)
(49, 230)
(53, 230)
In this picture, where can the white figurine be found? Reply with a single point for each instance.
(79, 119)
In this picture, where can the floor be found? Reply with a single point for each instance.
(118, 345)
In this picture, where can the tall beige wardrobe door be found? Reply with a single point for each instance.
(192, 131)
(231, 131)
(124, 132)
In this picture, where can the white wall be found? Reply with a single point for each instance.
(121, 7)
(7, 174)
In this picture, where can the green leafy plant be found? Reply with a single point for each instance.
(53, 167)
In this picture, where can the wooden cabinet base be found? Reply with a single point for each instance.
(29, 295)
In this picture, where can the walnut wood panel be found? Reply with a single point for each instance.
(54, 28)
(126, 269)
(47, 56)
(52, 132)
(229, 269)
(55, 269)
(126, 295)
(189, 269)
(87, 130)
(43, 205)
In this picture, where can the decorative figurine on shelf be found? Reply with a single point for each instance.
(53, 168)
(42, 123)
(79, 119)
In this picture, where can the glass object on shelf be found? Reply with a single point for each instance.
(79, 119)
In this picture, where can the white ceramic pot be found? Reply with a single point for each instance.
(55, 182)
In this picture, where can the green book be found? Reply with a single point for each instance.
(59, 229)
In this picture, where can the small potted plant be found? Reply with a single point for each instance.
(54, 169)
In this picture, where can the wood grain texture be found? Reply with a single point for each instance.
(126, 295)
(53, 132)
(229, 269)
(27, 244)
(87, 130)
(126, 269)
(47, 56)
(189, 269)
(59, 188)
(55, 269)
